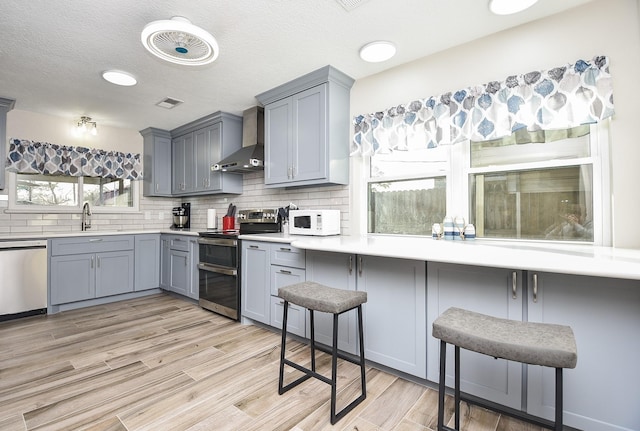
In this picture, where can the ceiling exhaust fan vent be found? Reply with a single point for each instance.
(169, 103)
(350, 5)
(178, 41)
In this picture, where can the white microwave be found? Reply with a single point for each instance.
(314, 222)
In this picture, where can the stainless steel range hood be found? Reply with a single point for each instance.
(250, 157)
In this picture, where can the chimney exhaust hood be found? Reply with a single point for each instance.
(250, 157)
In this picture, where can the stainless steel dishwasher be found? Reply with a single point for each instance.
(23, 278)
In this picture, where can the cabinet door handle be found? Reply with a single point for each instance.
(98, 261)
(514, 285)
(293, 171)
(91, 262)
(360, 265)
(157, 186)
(350, 264)
(289, 172)
(284, 271)
(535, 287)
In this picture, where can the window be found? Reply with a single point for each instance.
(551, 186)
(49, 193)
(407, 191)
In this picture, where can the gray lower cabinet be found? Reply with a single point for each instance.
(90, 267)
(265, 268)
(179, 265)
(287, 266)
(395, 328)
(395, 312)
(494, 291)
(254, 281)
(334, 270)
(147, 262)
(602, 392)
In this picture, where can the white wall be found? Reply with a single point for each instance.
(46, 128)
(603, 27)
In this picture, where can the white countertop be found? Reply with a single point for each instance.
(51, 235)
(560, 258)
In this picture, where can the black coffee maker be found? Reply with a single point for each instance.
(182, 216)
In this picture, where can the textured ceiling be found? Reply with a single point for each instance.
(52, 53)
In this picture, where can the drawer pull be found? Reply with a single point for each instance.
(254, 246)
(284, 249)
(284, 271)
(95, 239)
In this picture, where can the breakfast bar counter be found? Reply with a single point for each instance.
(576, 259)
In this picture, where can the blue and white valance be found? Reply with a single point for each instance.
(27, 157)
(558, 98)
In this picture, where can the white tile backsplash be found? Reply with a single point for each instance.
(155, 213)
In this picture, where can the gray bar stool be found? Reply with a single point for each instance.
(316, 297)
(543, 344)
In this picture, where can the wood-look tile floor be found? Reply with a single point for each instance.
(160, 363)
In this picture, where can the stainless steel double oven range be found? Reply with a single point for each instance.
(219, 265)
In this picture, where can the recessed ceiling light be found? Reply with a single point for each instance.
(508, 7)
(377, 51)
(119, 78)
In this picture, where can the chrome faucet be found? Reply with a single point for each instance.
(86, 216)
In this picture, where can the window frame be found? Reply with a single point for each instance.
(13, 207)
(458, 178)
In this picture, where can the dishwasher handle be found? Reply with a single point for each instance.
(30, 243)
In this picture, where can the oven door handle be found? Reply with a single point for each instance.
(218, 241)
(217, 269)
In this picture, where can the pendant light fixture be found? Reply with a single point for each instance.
(178, 41)
(85, 125)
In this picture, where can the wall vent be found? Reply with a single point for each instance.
(169, 103)
(350, 5)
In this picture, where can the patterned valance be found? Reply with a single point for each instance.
(559, 98)
(27, 157)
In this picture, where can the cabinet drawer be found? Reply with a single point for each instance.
(284, 276)
(91, 244)
(179, 243)
(285, 255)
(295, 319)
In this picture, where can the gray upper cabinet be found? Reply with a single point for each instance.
(6, 105)
(178, 163)
(198, 145)
(157, 162)
(307, 130)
